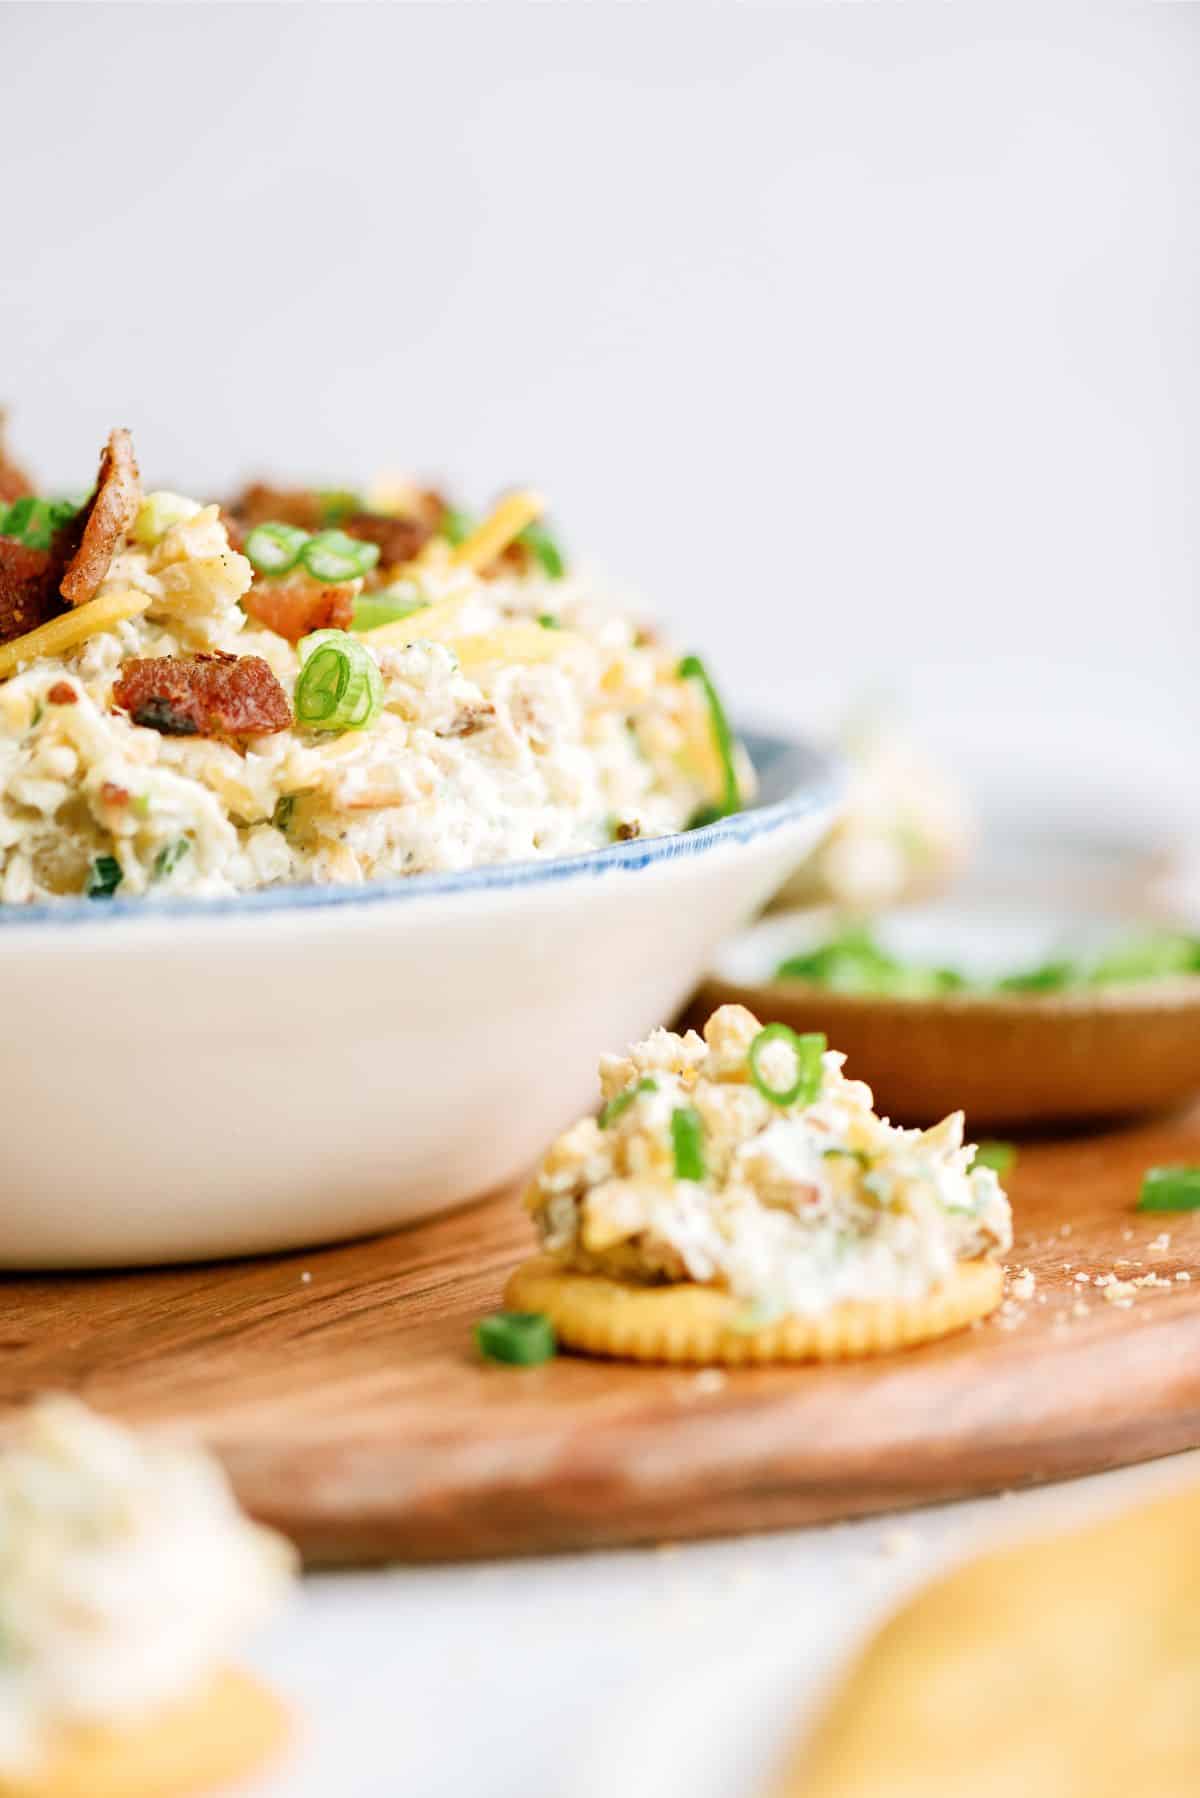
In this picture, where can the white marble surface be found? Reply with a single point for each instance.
(645, 1674)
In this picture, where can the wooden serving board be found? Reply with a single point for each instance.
(341, 1389)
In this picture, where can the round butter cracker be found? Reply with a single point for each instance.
(686, 1323)
(196, 1745)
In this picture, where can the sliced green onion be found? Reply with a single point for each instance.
(859, 1155)
(340, 686)
(687, 1140)
(854, 962)
(169, 857)
(692, 668)
(157, 513)
(549, 622)
(810, 1069)
(275, 548)
(18, 515)
(542, 545)
(333, 556)
(1171, 1189)
(337, 503)
(518, 1338)
(43, 523)
(619, 1105)
(1050, 977)
(281, 817)
(456, 526)
(1154, 957)
(385, 607)
(999, 1156)
(35, 522)
(104, 878)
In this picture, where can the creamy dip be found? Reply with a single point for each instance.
(790, 1206)
(530, 718)
(127, 1573)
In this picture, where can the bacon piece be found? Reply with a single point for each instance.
(297, 604)
(203, 696)
(470, 720)
(260, 503)
(104, 521)
(399, 539)
(14, 482)
(27, 596)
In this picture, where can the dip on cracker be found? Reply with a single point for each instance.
(127, 1575)
(738, 1199)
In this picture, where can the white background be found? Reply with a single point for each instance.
(861, 338)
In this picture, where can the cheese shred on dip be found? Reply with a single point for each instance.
(703, 1166)
(320, 708)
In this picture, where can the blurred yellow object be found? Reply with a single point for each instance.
(1063, 1668)
(72, 628)
(226, 1731)
(520, 642)
(501, 527)
(431, 624)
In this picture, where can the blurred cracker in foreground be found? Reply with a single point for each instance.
(1063, 1668)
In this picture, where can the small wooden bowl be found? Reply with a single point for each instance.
(1006, 1059)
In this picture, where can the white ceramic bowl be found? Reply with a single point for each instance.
(198, 1078)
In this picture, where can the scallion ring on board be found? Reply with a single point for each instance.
(1171, 1189)
(517, 1338)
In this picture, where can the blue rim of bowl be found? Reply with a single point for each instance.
(806, 778)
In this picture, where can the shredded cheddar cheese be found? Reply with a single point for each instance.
(517, 643)
(72, 629)
(500, 528)
(433, 624)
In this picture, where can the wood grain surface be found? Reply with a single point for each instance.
(341, 1389)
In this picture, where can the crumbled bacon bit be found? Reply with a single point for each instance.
(627, 831)
(112, 794)
(105, 519)
(296, 605)
(470, 720)
(62, 693)
(204, 696)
